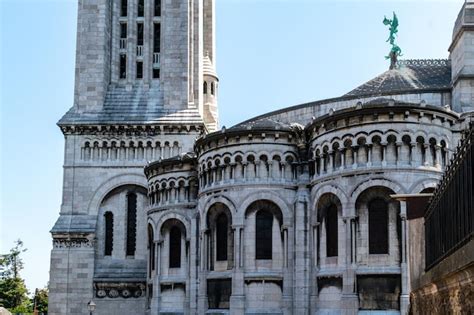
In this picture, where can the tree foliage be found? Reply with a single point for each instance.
(41, 300)
(13, 291)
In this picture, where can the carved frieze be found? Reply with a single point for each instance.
(119, 290)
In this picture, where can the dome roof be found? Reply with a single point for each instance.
(409, 75)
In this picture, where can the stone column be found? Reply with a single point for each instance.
(237, 299)
(302, 264)
(202, 292)
(343, 158)
(330, 167)
(355, 157)
(193, 267)
(399, 153)
(384, 153)
(437, 156)
(369, 155)
(405, 276)
(350, 303)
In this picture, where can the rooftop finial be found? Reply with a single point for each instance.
(395, 52)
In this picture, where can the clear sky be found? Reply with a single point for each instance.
(270, 54)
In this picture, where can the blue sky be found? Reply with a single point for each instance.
(270, 54)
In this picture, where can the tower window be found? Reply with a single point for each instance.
(141, 8)
(156, 37)
(378, 227)
(123, 30)
(212, 88)
(109, 233)
(175, 247)
(222, 227)
(123, 66)
(123, 8)
(140, 34)
(331, 231)
(263, 235)
(205, 87)
(131, 223)
(157, 8)
(139, 70)
(156, 73)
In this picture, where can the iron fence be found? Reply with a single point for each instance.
(449, 219)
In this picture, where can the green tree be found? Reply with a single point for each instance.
(13, 291)
(41, 297)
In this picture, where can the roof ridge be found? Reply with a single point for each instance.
(424, 62)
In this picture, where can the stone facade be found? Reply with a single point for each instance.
(287, 213)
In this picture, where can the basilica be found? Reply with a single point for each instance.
(291, 212)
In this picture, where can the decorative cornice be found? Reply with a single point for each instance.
(129, 130)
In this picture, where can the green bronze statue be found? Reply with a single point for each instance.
(395, 52)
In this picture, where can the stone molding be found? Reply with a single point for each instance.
(119, 290)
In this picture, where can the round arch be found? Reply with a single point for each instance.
(270, 196)
(112, 183)
(361, 187)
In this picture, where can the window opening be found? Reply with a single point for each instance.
(131, 223)
(109, 233)
(378, 227)
(123, 66)
(222, 227)
(175, 247)
(263, 239)
(331, 231)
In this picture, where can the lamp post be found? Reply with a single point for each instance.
(91, 307)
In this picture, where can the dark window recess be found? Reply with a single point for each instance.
(123, 30)
(141, 8)
(123, 8)
(222, 228)
(263, 235)
(139, 70)
(204, 88)
(331, 231)
(379, 292)
(157, 8)
(123, 66)
(212, 88)
(151, 250)
(156, 73)
(109, 233)
(131, 223)
(218, 293)
(156, 37)
(175, 247)
(139, 34)
(378, 227)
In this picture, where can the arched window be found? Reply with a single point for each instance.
(109, 233)
(175, 247)
(378, 227)
(331, 231)
(131, 223)
(222, 227)
(212, 88)
(263, 235)
(151, 249)
(204, 88)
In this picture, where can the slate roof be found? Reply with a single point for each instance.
(409, 75)
(131, 106)
(261, 124)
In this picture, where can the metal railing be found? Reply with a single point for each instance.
(449, 219)
(156, 60)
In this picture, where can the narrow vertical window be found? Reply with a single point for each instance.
(109, 233)
(123, 66)
(156, 73)
(131, 223)
(123, 8)
(175, 247)
(204, 88)
(212, 88)
(331, 231)
(263, 235)
(140, 34)
(156, 37)
(378, 227)
(141, 8)
(157, 8)
(139, 70)
(222, 227)
(123, 36)
(151, 250)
